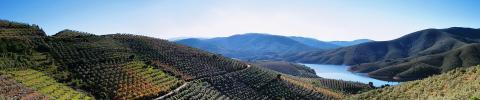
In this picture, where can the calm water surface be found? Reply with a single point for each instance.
(340, 72)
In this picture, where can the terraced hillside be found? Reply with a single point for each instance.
(45, 85)
(458, 84)
(80, 65)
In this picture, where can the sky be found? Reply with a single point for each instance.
(326, 20)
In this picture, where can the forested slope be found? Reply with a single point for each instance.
(410, 57)
(80, 65)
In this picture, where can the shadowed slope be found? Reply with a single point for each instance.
(410, 57)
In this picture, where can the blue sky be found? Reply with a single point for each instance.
(321, 19)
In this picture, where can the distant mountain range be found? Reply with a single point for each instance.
(254, 45)
(413, 56)
(315, 43)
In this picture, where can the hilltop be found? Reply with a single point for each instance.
(80, 65)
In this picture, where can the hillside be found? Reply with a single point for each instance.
(246, 46)
(413, 56)
(80, 65)
(457, 84)
(287, 68)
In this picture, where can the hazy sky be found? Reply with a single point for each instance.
(321, 19)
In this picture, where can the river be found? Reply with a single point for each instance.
(340, 72)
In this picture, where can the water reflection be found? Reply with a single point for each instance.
(340, 72)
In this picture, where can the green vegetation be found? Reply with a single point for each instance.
(10, 89)
(80, 65)
(338, 85)
(14, 29)
(45, 85)
(199, 90)
(458, 84)
(288, 68)
(410, 57)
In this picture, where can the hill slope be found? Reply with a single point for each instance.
(287, 68)
(458, 84)
(410, 57)
(80, 65)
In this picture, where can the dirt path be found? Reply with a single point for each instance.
(172, 92)
(183, 86)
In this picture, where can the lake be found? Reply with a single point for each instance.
(341, 72)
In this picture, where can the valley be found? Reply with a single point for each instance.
(81, 65)
(394, 64)
(239, 50)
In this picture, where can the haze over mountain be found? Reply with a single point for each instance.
(349, 43)
(257, 45)
(413, 56)
(314, 42)
(248, 45)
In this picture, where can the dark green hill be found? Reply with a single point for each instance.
(410, 57)
(9, 29)
(80, 65)
(287, 68)
(71, 34)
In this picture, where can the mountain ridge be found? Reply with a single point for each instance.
(401, 54)
(257, 45)
(350, 43)
(248, 45)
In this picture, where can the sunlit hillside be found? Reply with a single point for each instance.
(458, 84)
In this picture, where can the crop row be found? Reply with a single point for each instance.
(20, 32)
(69, 53)
(46, 85)
(197, 90)
(132, 80)
(339, 85)
(253, 83)
(284, 90)
(187, 61)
